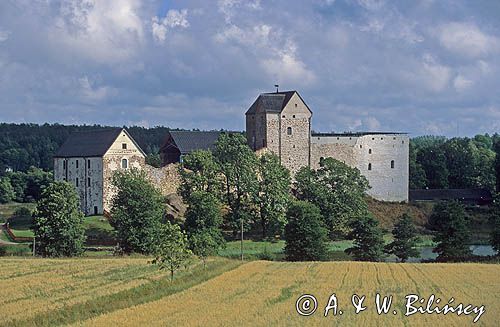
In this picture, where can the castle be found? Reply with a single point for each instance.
(279, 122)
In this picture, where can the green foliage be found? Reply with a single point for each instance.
(171, 251)
(6, 190)
(496, 148)
(338, 190)
(58, 222)
(368, 239)
(137, 211)
(199, 172)
(153, 159)
(203, 221)
(451, 225)
(495, 226)
(273, 195)
(305, 233)
(28, 186)
(405, 239)
(237, 164)
(436, 162)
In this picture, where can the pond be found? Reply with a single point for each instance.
(427, 254)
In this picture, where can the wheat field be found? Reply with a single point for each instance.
(265, 293)
(33, 286)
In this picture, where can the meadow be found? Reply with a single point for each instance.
(264, 293)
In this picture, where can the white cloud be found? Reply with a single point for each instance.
(105, 31)
(91, 93)
(467, 39)
(436, 76)
(173, 18)
(461, 83)
(4, 35)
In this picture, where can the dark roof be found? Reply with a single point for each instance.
(357, 134)
(90, 143)
(188, 141)
(271, 102)
(473, 194)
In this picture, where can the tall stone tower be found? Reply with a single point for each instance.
(281, 123)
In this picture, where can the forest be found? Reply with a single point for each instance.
(435, 161)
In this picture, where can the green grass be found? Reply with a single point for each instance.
(22, 233)
(149, 292)
(18, 250)
(7, 210)
(97, 222)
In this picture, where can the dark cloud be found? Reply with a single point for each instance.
(422, 67)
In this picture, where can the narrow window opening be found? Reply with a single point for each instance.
(124, 146)
(369, 166)
(293, 116)
(88, 182)
(392, 164)
(369, 151)
(88, 164)
(95, 210)
(289, 130)
(77, 164)
(77, 182)
(124, 163)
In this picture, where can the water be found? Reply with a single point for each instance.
(427, 254)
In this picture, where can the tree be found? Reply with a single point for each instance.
(496, 148)
(58, 222)
(418, 180)
(450, 223)
(273, 195)
(368, 239)
(6, 190)
(36, 181)
(305, 233)
(203, 220)
(154, 160)
(237, 164)
(495, 226)
(171, 251)
(405, 239)
(338, 190)
(199, 172)
(433, 162)
(137, 211)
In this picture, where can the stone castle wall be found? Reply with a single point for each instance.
(387, 155)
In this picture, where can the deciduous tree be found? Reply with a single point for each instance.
(58, 222)
(368, 239)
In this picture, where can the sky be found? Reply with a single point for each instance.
(422, 67)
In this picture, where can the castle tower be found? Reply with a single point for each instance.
(281, 123)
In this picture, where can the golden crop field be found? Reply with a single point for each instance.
(32, 286)
(265, 293)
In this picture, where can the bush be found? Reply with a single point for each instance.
(305, 233)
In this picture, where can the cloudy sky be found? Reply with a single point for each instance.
(424, 67)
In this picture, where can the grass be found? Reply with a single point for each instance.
(264, 293)
(97, 222)
(85, 288)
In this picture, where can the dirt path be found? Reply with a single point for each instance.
(3, 231)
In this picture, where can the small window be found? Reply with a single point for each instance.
(393, 138)
(373, 139)
(369, 166)
(88, 164)
(124, 163)
(283, 116)
(95, 210)
(392, 164)
(77, 182)
(361, 146)
(64, 164)
(295, 107)
(289, 130)
(402, 142)
(294, 115)
(124, 146)
(76, 163)
(381, 138)
(369, 151)
(88, 182)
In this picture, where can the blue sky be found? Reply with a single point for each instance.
(424, 67)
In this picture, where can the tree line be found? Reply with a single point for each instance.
(437, 162)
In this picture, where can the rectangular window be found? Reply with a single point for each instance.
(76, 163)
(77, 182)
(124, 146)
(392, 164)
(88, 164)
(88, 182)
(64, 164)
(95, 210)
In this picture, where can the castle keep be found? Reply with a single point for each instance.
(279, 122)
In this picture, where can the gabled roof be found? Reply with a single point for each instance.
(91, 143)
(272, 102)
(189, 141)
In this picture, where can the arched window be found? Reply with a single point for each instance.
(392, 164)
(289, 130)
(369, 166)
(124, 163)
